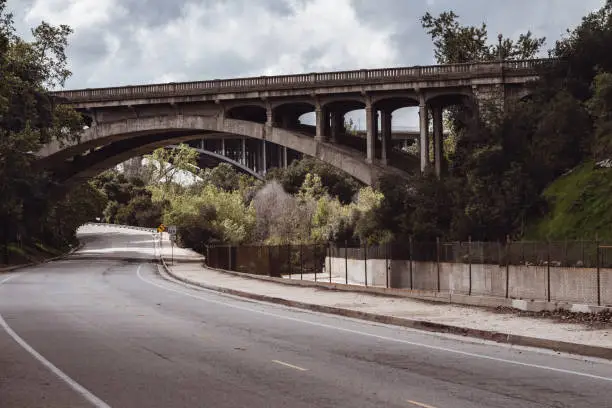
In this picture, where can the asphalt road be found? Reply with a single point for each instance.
(98, 331)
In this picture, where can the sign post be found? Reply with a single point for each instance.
(172, 233)
(161, 230)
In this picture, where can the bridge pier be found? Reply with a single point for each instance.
(322, 123)
(437, 131)
(264, 164)
(424, 137)
(371, 131)
(385, 124)
(243, 152)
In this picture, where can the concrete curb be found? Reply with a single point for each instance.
(505, 338)
(55, 258)
(429, 295)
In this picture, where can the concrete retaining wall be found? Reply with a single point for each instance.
(567, 284)
(376, 270)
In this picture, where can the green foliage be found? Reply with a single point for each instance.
(454, 43)
(225, 177)
(585, 51)
(140, 211)
(350, 128)
(337, 183)
(580, 206)
(600, 106)
(500, 167)
(28, 119)
(129, 201)
(221, 215)
(81, 205)
(166, 165)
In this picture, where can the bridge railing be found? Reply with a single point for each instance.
(520, 67)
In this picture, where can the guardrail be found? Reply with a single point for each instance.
(103, 224)
(519, 67)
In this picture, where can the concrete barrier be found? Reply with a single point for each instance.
(567, 285)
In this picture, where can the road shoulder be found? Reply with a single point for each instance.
(443, 318)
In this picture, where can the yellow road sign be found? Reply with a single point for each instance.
(161, 228)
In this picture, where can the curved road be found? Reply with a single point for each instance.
(103, 328)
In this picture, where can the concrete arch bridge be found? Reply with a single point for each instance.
(257, 120)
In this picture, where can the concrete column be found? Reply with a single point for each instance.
(424, 130)
(263, 157)
(285, 157)
(94, 117)
(385, 122)
(437, 131)
(222, 146)
(320, 122)
(243, 151)
(371, 132)
(202, 144)
(269, 116)
(258, 156)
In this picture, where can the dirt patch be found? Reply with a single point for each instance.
(601, 320)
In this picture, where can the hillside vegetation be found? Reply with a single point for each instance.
(580, 206)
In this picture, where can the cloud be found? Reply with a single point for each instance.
(119, 42)
(75, 13)
(227, 39)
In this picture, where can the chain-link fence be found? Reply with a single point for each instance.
(571, 271)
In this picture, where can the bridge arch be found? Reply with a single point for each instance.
(288, 114)
(395, 102)
(225, 159)
(250, 112)
(123, 136)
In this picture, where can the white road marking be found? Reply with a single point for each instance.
(289, 365)
(419, 404)
(7, 279)
(376, 336)
(84, 392)
(440, 335)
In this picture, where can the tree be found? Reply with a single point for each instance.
(336, 183)
(166, 165)
(454, 43)
(600, 106)
(225, 177)
(584, 52)
(82, 204)
(28, 119)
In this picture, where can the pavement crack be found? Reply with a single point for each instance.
(160, 355)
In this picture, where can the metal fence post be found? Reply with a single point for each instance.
(387, 264)
(598, 273)
(507, 266)
(365, 262)
(410, 262)
(438, 261)
(301, 263)
(208, 255)
(346, 262)
(314, 261)
(229, 257)
(267, 249)
(548, 295)
(328, 250)
(289, 261)
(470, 265)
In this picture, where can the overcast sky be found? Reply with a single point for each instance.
(121, 42)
